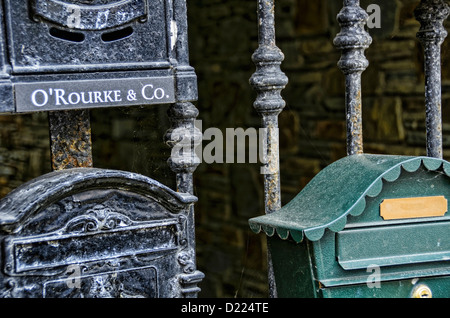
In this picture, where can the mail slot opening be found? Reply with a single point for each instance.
(66, 35)
(117, 34)
(393, 245)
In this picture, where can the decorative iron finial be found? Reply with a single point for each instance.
(183, 137)
(353, 40)
(431, 15)
(268, 81)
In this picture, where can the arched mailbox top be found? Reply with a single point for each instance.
(49, 188)
(341, 189)
(115, 233)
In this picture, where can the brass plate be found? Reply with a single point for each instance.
(419, 207)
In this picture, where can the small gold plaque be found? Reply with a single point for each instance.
(408, 208)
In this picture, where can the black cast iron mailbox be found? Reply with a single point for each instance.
(80, 231)
(77, 54)
(365, 226)
(96, 233)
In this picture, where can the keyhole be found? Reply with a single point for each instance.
(422, 291)
(424, 295)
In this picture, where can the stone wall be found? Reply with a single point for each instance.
(24, 149)
(223, 36)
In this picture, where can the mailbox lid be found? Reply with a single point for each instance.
(337, 191)
(54, 36)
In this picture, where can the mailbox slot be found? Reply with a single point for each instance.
(117, 284)
(393, 245)
(57, 249)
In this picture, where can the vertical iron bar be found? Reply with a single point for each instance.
(183, 137)
(353, 40)
(268, 82)
(431, 15)
(70, 139)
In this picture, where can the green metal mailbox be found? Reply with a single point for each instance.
(365, 226)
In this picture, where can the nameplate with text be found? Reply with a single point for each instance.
(84, 94)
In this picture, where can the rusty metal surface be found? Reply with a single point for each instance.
(70, 139)
(353, 40)
(431, 14)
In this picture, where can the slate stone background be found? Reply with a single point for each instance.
(223, 36)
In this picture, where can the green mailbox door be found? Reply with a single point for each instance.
(365, 226)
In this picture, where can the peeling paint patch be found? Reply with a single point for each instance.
(173, 34)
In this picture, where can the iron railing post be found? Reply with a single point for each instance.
(184, 137)
(431, 15)
(353, 40)
(268, 81)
